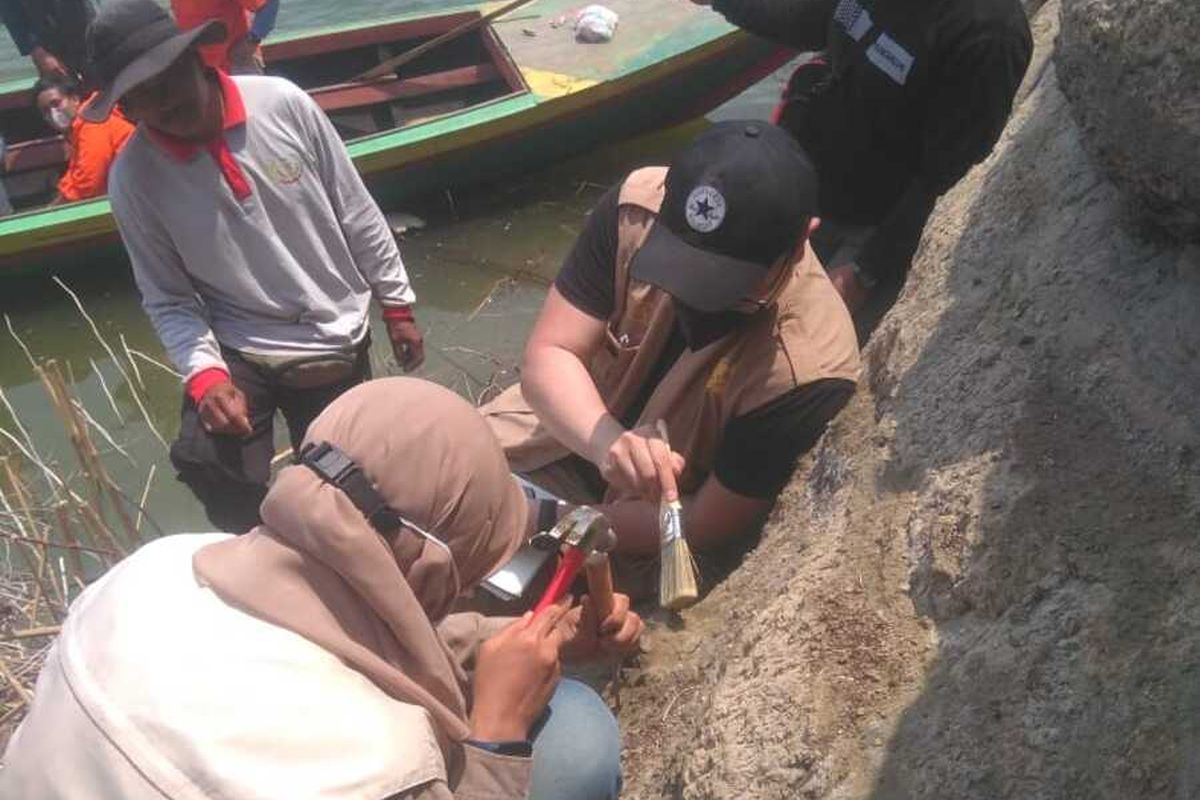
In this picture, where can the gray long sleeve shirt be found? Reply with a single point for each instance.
(286, 263)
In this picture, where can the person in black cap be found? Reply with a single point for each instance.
(903, 98)
(692, 299)
(254, 243)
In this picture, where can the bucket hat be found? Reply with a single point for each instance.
(131, 41)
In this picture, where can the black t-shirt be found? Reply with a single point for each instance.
(758, 450)
(918, 92)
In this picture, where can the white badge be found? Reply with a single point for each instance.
(705, 210)
(891, 58)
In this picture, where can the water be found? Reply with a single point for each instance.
(480, 270)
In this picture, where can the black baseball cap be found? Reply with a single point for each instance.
(131, 41)
(737, 200)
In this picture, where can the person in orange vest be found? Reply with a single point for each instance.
(247, 23)
(93, 145)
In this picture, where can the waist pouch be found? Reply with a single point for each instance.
(308, 371)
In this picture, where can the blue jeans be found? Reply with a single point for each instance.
(577, 753)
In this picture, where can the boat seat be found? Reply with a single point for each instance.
(35, 154)
(386, 90)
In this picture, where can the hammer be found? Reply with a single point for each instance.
(585, 537)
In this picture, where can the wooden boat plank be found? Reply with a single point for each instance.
(503, 60)
(35, 154)
(330, 40)
(351, 95)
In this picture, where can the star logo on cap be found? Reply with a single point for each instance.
(705, 209)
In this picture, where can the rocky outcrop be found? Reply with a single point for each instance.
(983, 584)
(1132, 73)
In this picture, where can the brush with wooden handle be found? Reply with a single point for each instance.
(677, 577)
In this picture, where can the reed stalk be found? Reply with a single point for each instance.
(137, 525)
(36, 459)
(85, 450)
(154, 362)
(60, 521)
(137, 373)
(137, 398)
(112, 401)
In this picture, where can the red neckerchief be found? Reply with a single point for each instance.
(233, 114)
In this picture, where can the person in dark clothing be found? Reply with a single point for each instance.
(51, 33)
(899, 100)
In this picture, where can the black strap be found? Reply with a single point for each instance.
(547, 515)
(519, 748)
(335, 467)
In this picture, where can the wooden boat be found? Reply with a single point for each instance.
(515, 93)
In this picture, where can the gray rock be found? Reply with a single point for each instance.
(990, 564)
(1132, 73)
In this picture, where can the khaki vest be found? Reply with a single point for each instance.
(806, 336)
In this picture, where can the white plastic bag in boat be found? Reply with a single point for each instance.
(596, 24)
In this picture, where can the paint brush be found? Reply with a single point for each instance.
(677, 577)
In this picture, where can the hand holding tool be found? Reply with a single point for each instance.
(583, 532)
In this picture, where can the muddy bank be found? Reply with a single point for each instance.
(983, 584)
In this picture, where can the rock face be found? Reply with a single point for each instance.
(983, 585)
(1132, 73)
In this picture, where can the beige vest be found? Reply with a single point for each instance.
(806, 336)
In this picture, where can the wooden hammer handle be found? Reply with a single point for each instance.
(600, 584)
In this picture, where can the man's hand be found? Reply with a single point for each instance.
(408, 343)
(639, 461)
(586, 638)
(516, 672)
(224, 410)
(846, 281)
(48, 65)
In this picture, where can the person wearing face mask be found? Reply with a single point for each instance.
(317, 655)
(92, 146)
(691, 297)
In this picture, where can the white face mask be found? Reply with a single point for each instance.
(61, 118)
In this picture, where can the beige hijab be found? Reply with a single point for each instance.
(317, 567)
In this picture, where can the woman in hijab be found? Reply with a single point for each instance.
(315, 656)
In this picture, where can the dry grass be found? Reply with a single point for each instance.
(46, 563)
(60, 526)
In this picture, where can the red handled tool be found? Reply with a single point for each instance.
(569, 565)
(581, 533)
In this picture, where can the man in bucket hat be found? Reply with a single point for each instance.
(690, 298)
(254, 243)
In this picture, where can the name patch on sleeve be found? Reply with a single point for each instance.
(853, 19)
(891, 58)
